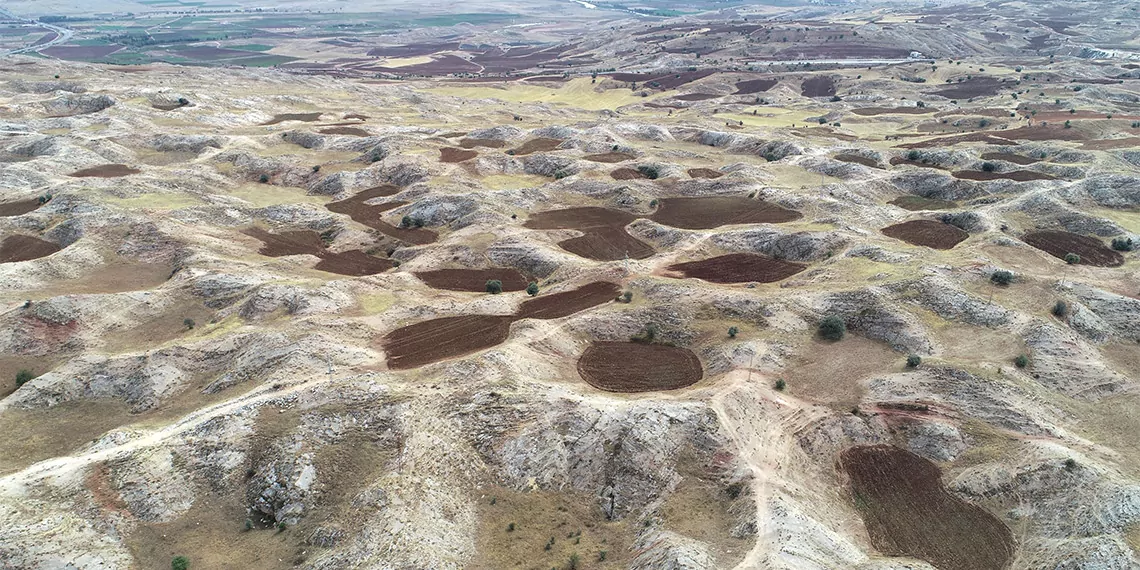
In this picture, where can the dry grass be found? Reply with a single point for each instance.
(831, 374)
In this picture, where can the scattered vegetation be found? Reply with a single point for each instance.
(1060, 309)
(988, 167)
(650, 172)
(780, 385)
(913, 361)
(1072, 258)
(1122, 244)
(494, 286)
(1021, 361)
(626, 297)
(1001, 277)
(732, 332)
(24, 376)
(647, 335)
(832, 328)
(264, 179)
(532, 289)
(188, 323)
(179, 563)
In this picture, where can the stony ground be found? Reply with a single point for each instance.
(195, 397)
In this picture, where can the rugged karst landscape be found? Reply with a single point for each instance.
(700, 297)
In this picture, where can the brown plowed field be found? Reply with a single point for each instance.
(304, 117)
(715, 211)
(368, 215)
(347, 131)
(908, 512)
(820, 86)
(19, 208)
(974, 87)
(558, 305)
(858, 160)
(636, 367)
(23, 248)
(739, 268)
(105, 171)
(489, 143)
(1092, 250)
(540, 144)
(696, 97)
(441, 339)
(1009, 157)
(897, 160)
(754, 86)
(916, 203)
(706, 173)
(585, 218)
(453, 155)
(608, 244)
(627, 174)
(354, 263)
(609, 157)
(1017, 175)
(929, 233)
(473, 279)
(872, 111)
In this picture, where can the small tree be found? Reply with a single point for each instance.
(989, 166)
(264, 179)
(1122, 244)
(732, 331)
(780, 385)
(1060, 309)
(180, 563)
(24, 376)
(649, 172)
(832, 328)
(316, 168)
(1001, 277)
(647, 335)
(626, 297)
(913, 155)
(511, 527)
(1072, 258)
(183, 101)
(494, 286)
(913, 361)
(532, 289)
(1021, 361)
(406, 222)
(188, 323)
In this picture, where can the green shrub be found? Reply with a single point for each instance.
(24, 376)
(494, 286)
(653, 203)
(647, 335)
(913, 155)
(626, 297)
(1021, 361)
(1122, 244)
(602, 556)
(511, 527)
(832, 328)
(188, 323)
(1068, 124)
(1072, 258)
(913, 361)
(732, 331)
(532, 289)
(1001, 277)
(179, 563)
(1060, 309)
(316, 168)
(780, 385)
(264, 178)
(989, 166)
(649, 172)
(406, 222)
(281, 526)
(572, 564)
(248, 524)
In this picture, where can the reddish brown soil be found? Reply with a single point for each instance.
(739, 268)
(970, 88)
(929, 233)
(355, 262)
(368, 215)
(1018, 175)
(304, 117)
(1009, 157)
(20, 208)
(609, 157)
(872, 111)
(897, 160)
(541, 144)
(1111, 144)
(636, 367)
(23, 248)
(452, 155)
(955, 139)
(706, 173)
(858, 160)
(489, 143)
(440, 339)
(908, 512)
(663, 80)
(105, 171)
(841, 50)
(81, 53)
(696, 97)
(473, 279)
(715, 211)
(820, 86)
(754, 86)
(1058, 244)
(604, 237)
(347, 131)
(627, 174)
(916, 203)
(558, 305)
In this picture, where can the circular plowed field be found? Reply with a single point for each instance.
(635, 367)
(564, 304)
(706, 173)
(19, 208)
(23, 248)
(739, 268)
(607, 244)
(441, 339)
(1092, 250)
(105, 171)
(929, 233)
(908, 512)
(452, 155)
(715, 211)
(473, 279)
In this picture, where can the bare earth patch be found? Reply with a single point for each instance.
(24, 248)
(105, 171)
(929, 233)
(637, 367)
(715, 211)
(739, 268)
(1058, 244)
